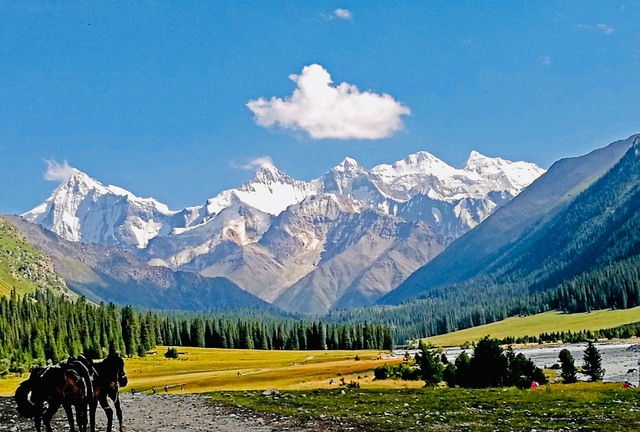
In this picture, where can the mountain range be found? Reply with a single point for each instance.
(580, 215)
(342, 240)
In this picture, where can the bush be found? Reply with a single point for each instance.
(172, 353)
(449, 375)
(401, 371)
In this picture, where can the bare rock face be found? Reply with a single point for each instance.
(341, 240)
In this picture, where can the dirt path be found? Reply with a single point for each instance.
(191, 413)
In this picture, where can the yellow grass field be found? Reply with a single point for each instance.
(542, 323)
(208, 369)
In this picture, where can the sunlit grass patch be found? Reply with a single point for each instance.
(533, 325)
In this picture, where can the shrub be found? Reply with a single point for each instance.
(172, 353)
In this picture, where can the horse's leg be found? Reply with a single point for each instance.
(48, 415)
(81, 415)
(107, 410)
(116, 403)
(38, 420)
(67, 408)
(93, 405)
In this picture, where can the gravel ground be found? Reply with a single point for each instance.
(191, 412)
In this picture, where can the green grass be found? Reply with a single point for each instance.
(542, 323)
(583, 406)
(16, 253)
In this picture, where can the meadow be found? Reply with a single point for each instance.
(209, 369)
(533, 325)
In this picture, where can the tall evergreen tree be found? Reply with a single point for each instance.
(592, 366)
(567, 367)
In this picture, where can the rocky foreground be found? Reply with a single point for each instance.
(163, 413)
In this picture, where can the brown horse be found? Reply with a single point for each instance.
(55, 386)
(109, 376)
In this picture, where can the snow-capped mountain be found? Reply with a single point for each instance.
(291, 241)
(82, 209)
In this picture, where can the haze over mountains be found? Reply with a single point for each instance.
(342, 240)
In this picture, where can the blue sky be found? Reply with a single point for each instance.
(153, 96)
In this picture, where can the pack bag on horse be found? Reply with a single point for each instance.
(68, 385)
(108, 378)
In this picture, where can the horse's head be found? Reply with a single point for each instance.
(118, 364)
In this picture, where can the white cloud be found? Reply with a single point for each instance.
(256, 163)
(604, 28)
(58, 172)
(544, 60)
(341, 14)
(326, 111)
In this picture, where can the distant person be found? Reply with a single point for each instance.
(181, 388)
(153, 389)
(133, 391)
(626, 385)
(166, 388)
(331, 381)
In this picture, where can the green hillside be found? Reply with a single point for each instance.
(22, 266)
(548, 322)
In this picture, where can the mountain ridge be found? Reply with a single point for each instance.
(243, 233)
(495, 237)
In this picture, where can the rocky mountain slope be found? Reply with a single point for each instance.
(103, 273)
(24, 268)
(352, 233)
(555, 229)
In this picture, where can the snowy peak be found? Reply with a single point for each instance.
(83, 209)
(501, 174)
(419, 163)
(268, 174)
(348, 165)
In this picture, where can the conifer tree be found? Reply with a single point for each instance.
(428, 361)
(568, 368)
(592, 363)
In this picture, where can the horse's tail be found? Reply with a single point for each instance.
(26, 408)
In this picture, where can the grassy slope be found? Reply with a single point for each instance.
(542, 323)
(22, 266)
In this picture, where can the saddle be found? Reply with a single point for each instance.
(83, 369)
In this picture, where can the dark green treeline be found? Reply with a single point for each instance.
(267, 332)
(42, 328)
